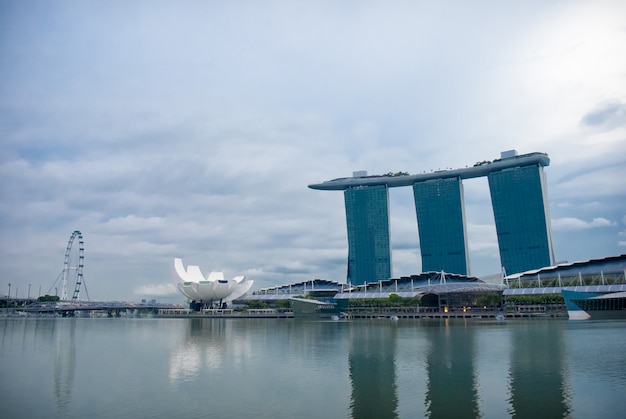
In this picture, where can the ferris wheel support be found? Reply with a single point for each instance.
(78, 268)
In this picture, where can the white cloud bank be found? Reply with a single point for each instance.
(192, 129)
(155, 290)
(575, 224)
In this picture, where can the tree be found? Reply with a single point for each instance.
(488, 300)
(282, 304)
(256, 304)
(49, 298)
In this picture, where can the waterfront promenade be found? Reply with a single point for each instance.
(363, 314)
(31, 308)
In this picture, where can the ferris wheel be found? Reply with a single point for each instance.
(73, 266)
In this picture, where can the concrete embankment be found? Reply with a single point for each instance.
(270, 314)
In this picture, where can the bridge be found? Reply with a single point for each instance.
(72, 308)
(73, 272)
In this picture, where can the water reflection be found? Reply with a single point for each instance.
(58, 341)
(63, 334)
(191, 368)
(207, 343)
(372, 371)
(460, 375)
(538, 372)
(452, 387)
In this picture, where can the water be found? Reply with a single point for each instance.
(238, 368)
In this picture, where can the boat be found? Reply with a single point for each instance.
(308, 308)
(590, 305)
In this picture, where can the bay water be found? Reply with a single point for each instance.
(285, 368)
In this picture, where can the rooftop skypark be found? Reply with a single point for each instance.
(518, 189)
(479, 169)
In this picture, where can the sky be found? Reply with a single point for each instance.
(192, 129)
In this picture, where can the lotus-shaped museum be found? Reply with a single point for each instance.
(213, 289)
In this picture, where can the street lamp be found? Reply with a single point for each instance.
(9, 295)
(28, 298)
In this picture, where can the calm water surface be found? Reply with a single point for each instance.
(248, 368)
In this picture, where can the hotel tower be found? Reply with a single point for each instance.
(519, 200)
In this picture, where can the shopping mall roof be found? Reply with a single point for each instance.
(605, 264)
(418, 291)
(557, 290)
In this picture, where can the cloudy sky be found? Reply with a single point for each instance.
(191, 129)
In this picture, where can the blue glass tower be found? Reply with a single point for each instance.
(441, 224)
(518, 192)
(367, 219)
(520, 209)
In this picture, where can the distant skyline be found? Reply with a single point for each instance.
(192, 130)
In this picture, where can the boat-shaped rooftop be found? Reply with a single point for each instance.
(479, 169)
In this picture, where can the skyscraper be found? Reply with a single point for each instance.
(441, 225)
(367, 219)
(518, 197)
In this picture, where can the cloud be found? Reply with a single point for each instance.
(132, 223)
(607, 116)
(622, 234)
(155, 290)
(193, 130)
(482, 239)
(574, 224)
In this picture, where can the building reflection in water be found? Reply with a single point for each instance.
(538, 373)
(452, 387)
(454, 370)
(63, 341)
(372, 371)
(207, 344)
(456, 375)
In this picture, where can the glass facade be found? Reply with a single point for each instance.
(367, 219)
(441, 224)
(519, 200)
